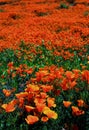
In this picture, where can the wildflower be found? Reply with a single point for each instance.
(10, 65)
(32, 88)
(31, 119)
(40, 106)
(21, 95)
(43, 95)
(44, 119)
(10, 107)
(67, 103)
(80, 103)
(29, 108)
(69, 75)
(7, 92)
(85, 75)
(50, 113)
(46, 88)
(76, 111)
(50, 102)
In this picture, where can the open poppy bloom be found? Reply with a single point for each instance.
(46, 88)
(50, 102)
(50, 113)
(7, 92)
(66, 103)
(10, 107)
(80, 103)
(31, 119)
(29, 108)
(21, 95)
(44, 119)
(32, 88)
(76, 111)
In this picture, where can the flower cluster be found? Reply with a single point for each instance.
(35, 102)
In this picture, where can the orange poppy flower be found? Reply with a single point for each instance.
(69, 75)
(50, 102)
(7, 92)
(85, 75)
(21, 95)
(50, 113)
(44, 119)
(31, 119)
(21, 102)
(46, 88)
(29, 71)
(76, 111)
(29, 108)
(39, 100)
(72, 84)
(32, 88)
(43, 95)
(80, 103)
(10, 64)
(10, 107)
(67, 103)
(40, 106)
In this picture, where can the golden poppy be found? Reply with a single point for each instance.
(10, 107)
(80, 103)
(31, 119)
(76, 111)
(67, 103)
(29, 108)
(50, 113)
(44, 119)
(50, 102)
(7, 92)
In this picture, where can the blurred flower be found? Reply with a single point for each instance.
(67, 103)
(80, 103)
(44, 119)
(31, 119)
(10, 107)
(76, 111)
(50, 113)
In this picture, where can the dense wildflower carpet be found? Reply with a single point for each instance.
(44, 64)
(37, 20)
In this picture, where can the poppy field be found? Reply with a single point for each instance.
(44, 64)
